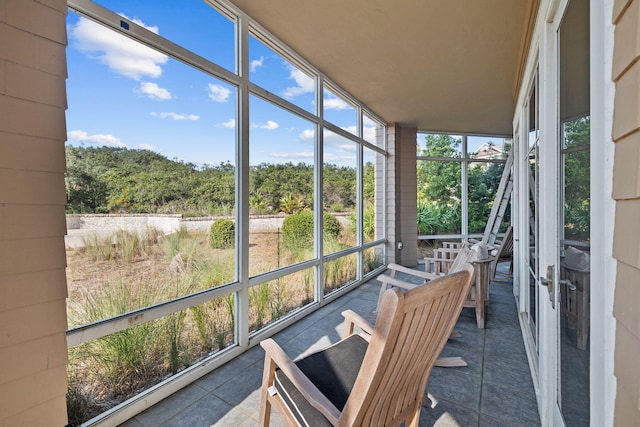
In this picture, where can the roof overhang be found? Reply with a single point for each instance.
(441, 65)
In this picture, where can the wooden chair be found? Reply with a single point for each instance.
(376, 378)
(448, 259)
(503, 252)
(478, 296)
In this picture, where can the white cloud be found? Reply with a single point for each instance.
(346, 160)
(366, 121)
(307, 134)
(98, 139)
(304, 84)
(218, 93)
(231, 123)
(369, 133)
(175, 116)
(255, 64)
(153, 91)
(298, 155)
(271, 125)
(335, 104)
(121, 54)
(147, 147)
(351, 129)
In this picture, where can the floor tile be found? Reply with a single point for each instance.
(171, 406)
(495, 389)
(446, 414)
(511, 402)
(241, 386)
(208, 411)
(223, 374)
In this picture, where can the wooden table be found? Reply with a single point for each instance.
(479, 294)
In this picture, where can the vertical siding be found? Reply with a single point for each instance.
(626, 192)
(33, 354)
(402, 194)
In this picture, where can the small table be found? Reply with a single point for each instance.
(479, 294)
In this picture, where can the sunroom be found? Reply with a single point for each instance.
(232, 168)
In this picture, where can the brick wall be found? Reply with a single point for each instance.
(33, 321)
(626, 192)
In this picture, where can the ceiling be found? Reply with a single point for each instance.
(440, 65)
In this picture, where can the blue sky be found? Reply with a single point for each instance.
(123, 94)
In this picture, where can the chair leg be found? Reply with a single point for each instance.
(268, 376)
(265, 411)
(414, 421)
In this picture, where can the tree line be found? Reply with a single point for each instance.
(111, 179)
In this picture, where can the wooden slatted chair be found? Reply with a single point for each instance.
(503, 251)
(478, 296)
(374, 378)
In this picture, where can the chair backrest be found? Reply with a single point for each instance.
(464, 256)
(506, 246)
(410, 332)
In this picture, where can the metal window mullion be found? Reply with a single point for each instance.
(280, 102)
(335, 255)
(284, 271)
(338, 91)
(359, 198)
(242, 179)
(101, 328)
(318, 190)
(339, 131)
(464, 188)
(375, 148)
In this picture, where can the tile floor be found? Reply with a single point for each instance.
(495, 389)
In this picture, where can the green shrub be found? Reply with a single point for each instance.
(297, 229)
(290, 204)
(331, 226)
(434, 217)
(222, 234)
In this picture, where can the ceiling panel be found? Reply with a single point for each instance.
(443, 65)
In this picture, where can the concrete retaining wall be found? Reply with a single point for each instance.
(81, 226)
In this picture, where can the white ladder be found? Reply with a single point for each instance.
(500, 203)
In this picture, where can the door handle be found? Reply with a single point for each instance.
(569, 284)
(548, 281)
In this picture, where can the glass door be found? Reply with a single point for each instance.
(532, 165)
(574, 234)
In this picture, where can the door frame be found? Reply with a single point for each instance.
(603, 264)
(542, 350)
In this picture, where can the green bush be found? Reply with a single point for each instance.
(222, 234)
(297, 229)
(434, 217)
(331, 226)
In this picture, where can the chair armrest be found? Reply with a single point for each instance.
(352, 319)
(388, 280)
(275, 354)
(425, 275)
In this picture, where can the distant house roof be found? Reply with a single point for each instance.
(488, 150)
